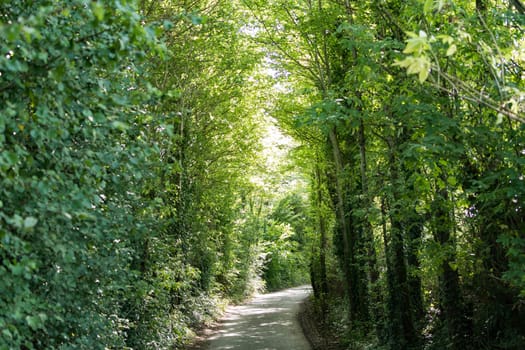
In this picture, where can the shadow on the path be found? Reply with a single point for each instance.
(269, 322)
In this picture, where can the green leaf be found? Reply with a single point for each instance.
(16, 221)
(167, 25)
(423, 75)
(11, 158)
(197, 19)
(35, 322)
(30, 222)
(451, 50)
(446, 39)
(403, 63)
(416, 65)
(428, 7)
(7, 333)
(417, 44)
(29, 33)
(119, 125)
(98, 10)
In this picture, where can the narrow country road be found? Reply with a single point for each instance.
(268, 322)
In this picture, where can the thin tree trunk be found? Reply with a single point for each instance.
(323, 244)
(373, 274)
(338, 161)
(414, 230)
(372, 259)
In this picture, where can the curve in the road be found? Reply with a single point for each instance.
(268, 322)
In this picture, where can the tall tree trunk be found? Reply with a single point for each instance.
(323, 243)
(373, 273)
(342, 219)
(414, 227)
(354, 273)
(399, 292)
(451, 298)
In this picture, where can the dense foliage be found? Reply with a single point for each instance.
(138, 184)
(71, 146)
(416, 181)
(128, 141)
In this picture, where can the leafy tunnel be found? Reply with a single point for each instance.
(159, 159)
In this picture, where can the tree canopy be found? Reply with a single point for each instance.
(158, 158)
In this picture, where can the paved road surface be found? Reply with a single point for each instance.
(268, 322)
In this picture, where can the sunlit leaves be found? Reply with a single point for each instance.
(419, 53)
(458, 43)
(98, 10)
(416, 65)
(418, 62)
(451, 50)
(433, 5)
(417, 44)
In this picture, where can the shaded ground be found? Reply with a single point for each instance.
(320, 336)
(268, 322)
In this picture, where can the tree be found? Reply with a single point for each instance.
(408, 151)
(70, 125)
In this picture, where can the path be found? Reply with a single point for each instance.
(268, 322)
